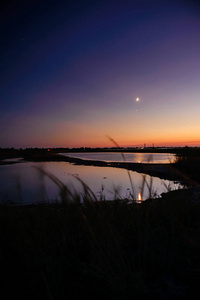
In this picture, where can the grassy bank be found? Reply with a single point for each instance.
(102, 250)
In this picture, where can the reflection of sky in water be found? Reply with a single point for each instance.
(129, 157)
(23, 182)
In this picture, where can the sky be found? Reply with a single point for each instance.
(71, 72)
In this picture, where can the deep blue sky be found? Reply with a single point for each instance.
(71, 71)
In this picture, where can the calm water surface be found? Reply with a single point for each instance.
(23, 182)
(129, 157)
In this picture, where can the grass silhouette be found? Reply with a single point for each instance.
(101, 249)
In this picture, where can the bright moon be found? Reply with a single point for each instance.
(137, 99)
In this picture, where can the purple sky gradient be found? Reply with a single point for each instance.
(71, 72)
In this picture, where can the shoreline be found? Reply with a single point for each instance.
(163, 171)
(166, 171)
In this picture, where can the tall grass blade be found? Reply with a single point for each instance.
(128, 172)
(65, 192)
(87, 189)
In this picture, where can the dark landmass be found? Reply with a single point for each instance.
(12, 152)
(186, 169)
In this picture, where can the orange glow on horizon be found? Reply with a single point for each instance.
(126, 132)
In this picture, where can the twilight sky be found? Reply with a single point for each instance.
(71, 72)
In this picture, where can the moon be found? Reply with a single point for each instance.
(137, 99)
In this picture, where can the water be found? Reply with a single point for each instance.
(24, 183)
(129, 157)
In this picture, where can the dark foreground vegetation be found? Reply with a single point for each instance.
(188, 162)
(102, 250)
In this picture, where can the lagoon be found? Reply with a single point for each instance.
(31, 182)
(133, 157)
